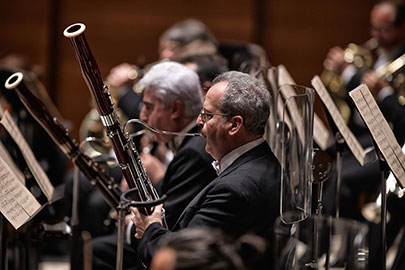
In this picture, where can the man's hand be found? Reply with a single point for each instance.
(374, 83)
(335, 60)
(119, 75)
(142, 222)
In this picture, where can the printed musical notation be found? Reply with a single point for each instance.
(36, 170)
(361, 155)
(17, 204)
(380, 130)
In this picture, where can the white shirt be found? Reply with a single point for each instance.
(229, 158)
(175, 143)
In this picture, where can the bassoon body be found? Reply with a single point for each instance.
(93, 172)
(124, 147)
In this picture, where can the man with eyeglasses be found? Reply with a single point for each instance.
(245, 195)
(172, 101)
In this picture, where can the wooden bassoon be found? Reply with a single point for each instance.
(124, 147)
(93, 172)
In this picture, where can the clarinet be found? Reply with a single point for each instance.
(124, 147)
(93, 172)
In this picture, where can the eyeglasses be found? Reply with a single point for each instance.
(205, 116)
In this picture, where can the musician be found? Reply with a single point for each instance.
(181, 35)
(387, 27)
(387, 20)
(172, 100)
(245, 195)
(207, 66)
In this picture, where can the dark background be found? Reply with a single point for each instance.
(295, 33)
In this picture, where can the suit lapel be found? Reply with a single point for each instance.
(194, 205)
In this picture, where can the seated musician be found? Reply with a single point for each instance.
(172, 100)
(245, 195)
(362, 184)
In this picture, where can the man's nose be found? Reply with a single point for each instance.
(199, 121)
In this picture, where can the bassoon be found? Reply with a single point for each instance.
(124, 147)
(93, 172)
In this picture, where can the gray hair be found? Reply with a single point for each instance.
(248, 97)
(173, 81)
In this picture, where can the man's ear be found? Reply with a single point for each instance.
(177, 109)
(236, 124)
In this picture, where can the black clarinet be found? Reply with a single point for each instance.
(93, 172)
(124, 147)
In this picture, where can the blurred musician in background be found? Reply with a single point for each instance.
(182, 36)
(172, 100)
(245, 195)
(207, 66)
(207, 248)
(387, 22)
(362, 184)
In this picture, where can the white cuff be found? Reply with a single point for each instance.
(348, 73)
(385, 92)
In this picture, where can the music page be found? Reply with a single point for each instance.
(36, 170)
(380, 130)
(10, 162)
(17, 204)
(355, 147)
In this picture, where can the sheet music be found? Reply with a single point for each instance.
(380, 130)
(7, 158)
(322, 135)
(38, 173)
(17, 204)
(355, 147)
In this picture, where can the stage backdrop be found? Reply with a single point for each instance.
(295, 33)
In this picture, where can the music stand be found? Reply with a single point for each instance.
(340, 146)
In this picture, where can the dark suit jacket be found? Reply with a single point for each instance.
(244, 198)
(187, 174)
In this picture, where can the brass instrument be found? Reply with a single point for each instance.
(361, 57)
(394, 74)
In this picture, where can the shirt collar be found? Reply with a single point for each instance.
(229, 158)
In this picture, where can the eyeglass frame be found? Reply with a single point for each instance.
(204, 114)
